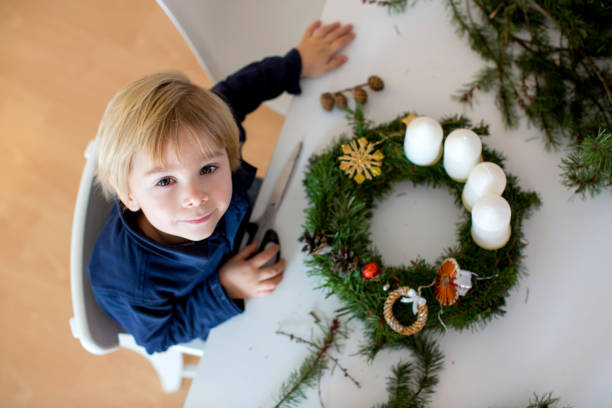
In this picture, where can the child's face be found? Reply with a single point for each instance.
(184, 199)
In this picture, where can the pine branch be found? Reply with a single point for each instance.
(588, 59)
(357, 119)
(315, 346)
(412, 385)
(395, 6)
(588, 168)
(293, 390)
(544, 401)
(398, 386)
(564, 89)
(312, 369)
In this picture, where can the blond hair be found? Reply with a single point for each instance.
(148, 115)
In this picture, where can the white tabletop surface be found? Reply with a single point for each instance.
(556, 333)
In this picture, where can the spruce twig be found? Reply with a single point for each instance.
(395, 6)
(412, 384)
(588, 168)
(563, 88)
(311, 370)
(299, 339)
(588, 59)
(543, 401)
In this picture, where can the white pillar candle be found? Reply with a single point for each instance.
(423, 141)
(462, 150)
(485, 178)
(491, 222)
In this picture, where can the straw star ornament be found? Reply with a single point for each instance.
(361, 162)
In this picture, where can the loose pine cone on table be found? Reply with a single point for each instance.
(345, 261)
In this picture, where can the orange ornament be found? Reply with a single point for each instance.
(446, 288)
(370, 270)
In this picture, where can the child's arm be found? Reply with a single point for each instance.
(316, 54)
(243, 277)
(260, 81)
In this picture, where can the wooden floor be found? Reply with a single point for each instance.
(60, 62)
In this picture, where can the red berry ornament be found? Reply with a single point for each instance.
(370, 270)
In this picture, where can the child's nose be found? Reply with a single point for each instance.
(194, 197)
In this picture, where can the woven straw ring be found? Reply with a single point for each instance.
(392, 321)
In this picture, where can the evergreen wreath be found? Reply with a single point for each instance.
(337, 238)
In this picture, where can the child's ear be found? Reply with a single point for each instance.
(129, 201)
(126, 198)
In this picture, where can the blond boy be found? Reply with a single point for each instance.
(166, 266)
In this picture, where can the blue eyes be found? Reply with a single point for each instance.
(167, 181)
(208, 169)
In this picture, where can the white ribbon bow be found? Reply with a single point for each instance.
(463, 280)
(415, 299)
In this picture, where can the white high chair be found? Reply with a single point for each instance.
(226, 35)
(98, 333)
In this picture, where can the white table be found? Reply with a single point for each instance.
(556, 333)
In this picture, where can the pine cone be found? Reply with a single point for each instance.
(360, 95)
(340, 100)
(376, 83)
(315, 244)
(345, 261)
(327, 101)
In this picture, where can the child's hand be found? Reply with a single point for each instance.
(320, 45)
(243, 277)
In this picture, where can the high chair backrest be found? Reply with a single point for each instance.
(97, 332)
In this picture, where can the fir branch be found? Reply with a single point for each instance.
(395, 6)
(564, 89)
(412, 385)
(588, 168)
(312, 368)
(357, 119)
(479, 36)
(543, 401)
(398, 386)
(598, 73)
(299, 339)
(293, 389)
(589, 62)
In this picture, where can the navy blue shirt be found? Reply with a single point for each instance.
(169, 294)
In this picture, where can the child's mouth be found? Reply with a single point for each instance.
(200, 220)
